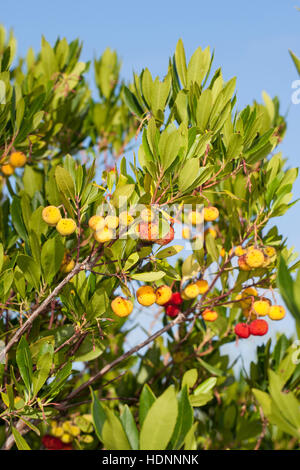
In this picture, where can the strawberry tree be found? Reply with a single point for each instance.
(99, 195)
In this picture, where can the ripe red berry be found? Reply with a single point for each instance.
(258, 327)
(172, 311)
(167, 238)
(52, 443)
(242, 330)
(176, 299)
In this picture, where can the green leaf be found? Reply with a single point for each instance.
(171, 251)
(206, 386)
(24, 361)
(190, 378)
(51, 257)
(98, 414)
(64, 182)
(17, 219)
(188, 174)
(159, 424)
(131, 261)
(30, 269)
(180, 62)
(130, 428)
(184, 420)
(43, 368)
(148, 277)
(113, 434)
(147, 398)
(19, 440)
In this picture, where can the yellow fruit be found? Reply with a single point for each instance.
(51, 215)
(186, 233)
(7, 169)
(202, 286)
(74, 430)
(250, 291)
(270, 251)
(195, 218)
(147, 215)
(86, 438)
(239, 251)
(210, 214)
(163, 295)
(66, 438)
(211, 231)
(104, 235)
(121, 307)
(67, 426)
(243, 266)
(57, 431)
(66, 226)
(184, 296)
(276, 312)
(125, 218)
(112, 221)
(96, 222)
(192, 291)
(209, 315)
(17, 159)
(254, 258)
(146, 296)
(261, 307)
(67, 266)
(222, 252)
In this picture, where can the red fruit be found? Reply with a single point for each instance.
(172, 311)
(52, 443)
(148, 231)
(242, 330)
(167, 238)
(176, 299)
(258, 327)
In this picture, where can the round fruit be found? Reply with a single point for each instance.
(270, 251)
(202, 286)
(195, 217)
(66, 438)
(239, 251)
(146, 296)
(211, 231)
(7, 169)
(242, 330)
(167, 238)
(163, 295)
(243, 266)
(67, 266)
(258, 327)
(186, 233)
(125, 218)
(276, 312)
(96, 222)
(172, 311)
(66, 226)
(211, 214)
(249, 291)
(148, 231)
(104, 235)
(17, 159)
(222, 252)
(209, 315)
(191, 291)
(261, 307)
(121, 307)
(112, 221)
(176, 299)
(254, 258)
(51, 215)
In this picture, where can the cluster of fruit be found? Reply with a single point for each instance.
(63, 434)
(253, 307)
(209, 214)
(16, 160)
(52, 216)
(253, 257)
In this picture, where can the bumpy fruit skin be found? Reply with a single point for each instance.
(122, 307)
(66, 226)
(210, 214)
(167, 238)
(17, 159)
(176, 299)
(67, 266)
(209, 315)
(7, 169)
(202, 286)
(148, 231)
(270, 251)
(242, 330)
(52, 443)
(261, 307)
(66, 438)
(239, 251)
(254, 258)
(51, 215)
(276, 312)
(112, 221)
(186, 233)
(191, 291)
(172, 311)
(96, 222)
(258, 327)
(125, 218)
(195, 217)
(163, 295)
(104, 235)
(249, 291)
(211, 231)
(146, 296)
(243, 266)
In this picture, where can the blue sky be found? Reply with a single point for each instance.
(251, 41)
